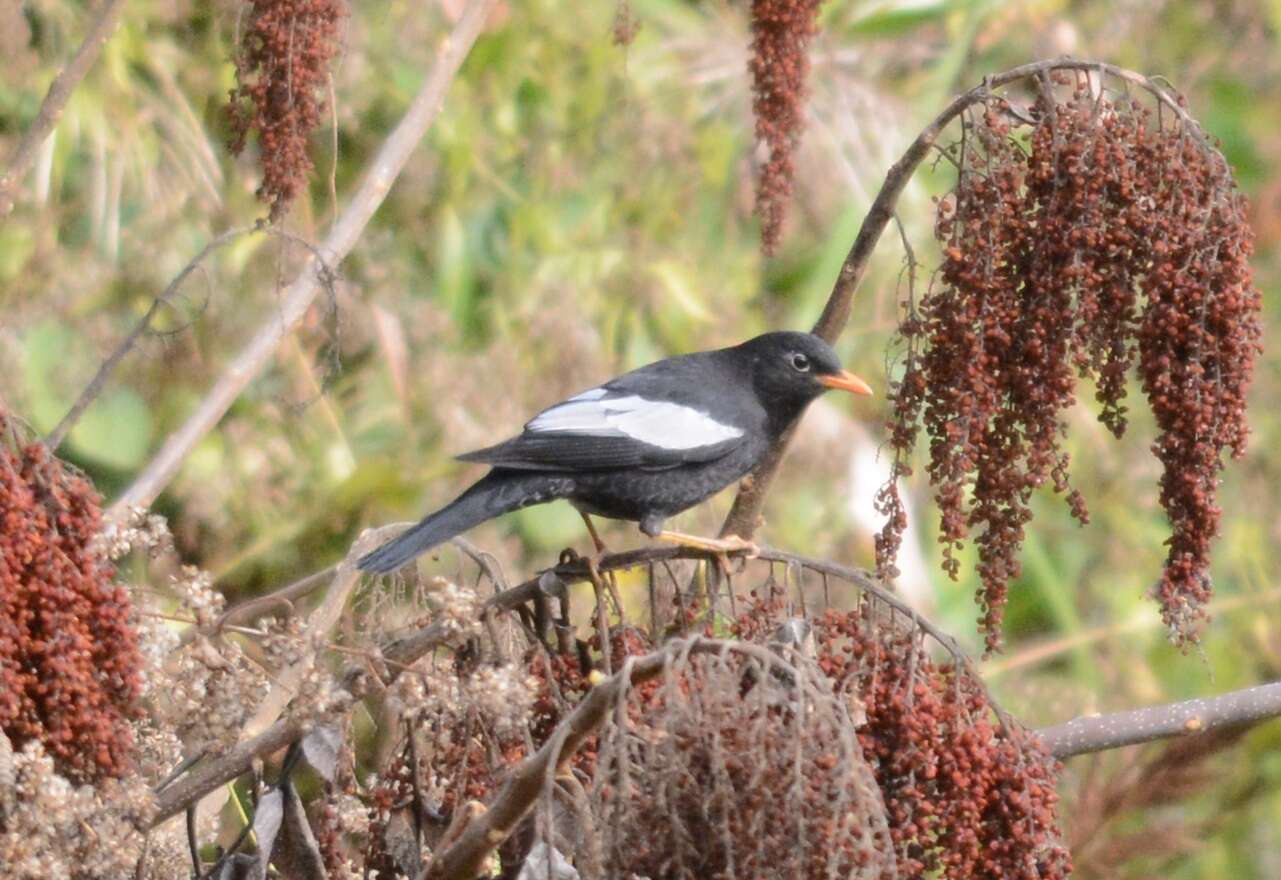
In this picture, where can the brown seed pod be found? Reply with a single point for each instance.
(1106, 240)
(779, 64)
(69, 655)
(282, 70)
(967, 792)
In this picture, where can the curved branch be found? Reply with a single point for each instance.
(578, 571)
(744, 516)
(99, 381)
(1098, 733)
(297, 298)
(463, 859)
(55, 101)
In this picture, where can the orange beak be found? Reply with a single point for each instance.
(846, 381)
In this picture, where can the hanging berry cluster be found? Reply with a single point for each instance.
(69, 655)
(781, 32)
(1115, 241)
(966, 796)
(282, 70)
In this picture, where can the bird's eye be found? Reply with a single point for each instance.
(801, 362)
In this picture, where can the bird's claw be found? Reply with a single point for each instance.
(742, 549)
(735, 544)
(720, 548)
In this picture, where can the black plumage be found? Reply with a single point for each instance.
(646, 445)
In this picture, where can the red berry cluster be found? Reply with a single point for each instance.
(1114, 240)
(897, 767)
(69, 656)
(282, 70)
(965, 795)
(781, 32)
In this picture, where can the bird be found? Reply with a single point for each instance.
(644, 446)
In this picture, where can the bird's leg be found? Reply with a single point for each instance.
(602, 619)
(591, 530)
(601, 550)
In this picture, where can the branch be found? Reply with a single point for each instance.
(463, 859)
(744, 516)
(297, 298)
(578, 571)
(204, 777)
(95, 386)
(55, 101)
(1098, 733)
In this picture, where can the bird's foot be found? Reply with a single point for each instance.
(721, 548)
(730, 544)
(594, 562)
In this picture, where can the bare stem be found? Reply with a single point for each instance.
(297, 298)
(55, 101)
(1098, 733)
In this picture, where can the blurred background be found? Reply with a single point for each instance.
(580, 208)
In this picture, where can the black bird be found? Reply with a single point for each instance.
(645, 446)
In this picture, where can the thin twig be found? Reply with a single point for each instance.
(251, 609)
(297, 299)
(55, 101)
(99, 381)
(192, 844)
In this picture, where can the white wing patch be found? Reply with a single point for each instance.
(658, 423)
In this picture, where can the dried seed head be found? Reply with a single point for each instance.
(69, 654)
(1115, 242)
(781, 32)
(282, 71)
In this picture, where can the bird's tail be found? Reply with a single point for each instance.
(496, 493)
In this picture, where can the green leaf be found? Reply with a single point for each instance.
(46, 347)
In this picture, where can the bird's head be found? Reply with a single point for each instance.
(791, 369)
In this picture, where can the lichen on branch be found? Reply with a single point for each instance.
(1091, 237)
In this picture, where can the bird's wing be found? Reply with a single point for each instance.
(612, 427)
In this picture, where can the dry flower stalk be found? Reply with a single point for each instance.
(1091, 239)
